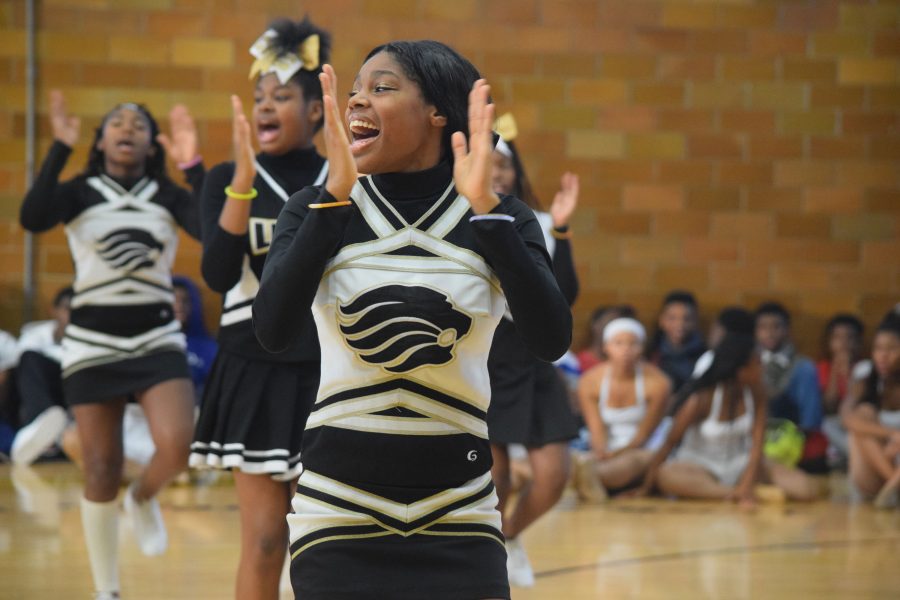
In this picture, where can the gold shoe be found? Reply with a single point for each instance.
(769, 494)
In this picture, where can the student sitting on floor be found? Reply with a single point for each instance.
(623, 401)
(720, 423)
(842, 351)
(872, 416)
(677, 344)
(791, 383)
(38, 378)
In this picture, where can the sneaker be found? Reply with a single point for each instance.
(587, 484)
(518, 567)
(38, 436)
(147, 524)
(106, 595)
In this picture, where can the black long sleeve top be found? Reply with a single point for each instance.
(50, 202)
(305, 239)
(399, 208)
(509, 356)
(123, 239)
(232, 264)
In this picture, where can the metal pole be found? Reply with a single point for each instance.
(28, 282)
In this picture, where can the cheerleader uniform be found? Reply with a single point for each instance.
(255, 403)
(529, 401)
(720, 447)
(122, 337)
(396, 499)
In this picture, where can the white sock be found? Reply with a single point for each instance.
(284, 585)
(101, 535)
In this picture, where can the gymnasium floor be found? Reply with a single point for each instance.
(626, 549)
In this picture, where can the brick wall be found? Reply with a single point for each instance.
(745, 150)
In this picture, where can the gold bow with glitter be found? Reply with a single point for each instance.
(286, 65)
(506, 128)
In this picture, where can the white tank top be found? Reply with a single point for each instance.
(721, 438)
(622, 422)
(890, 418)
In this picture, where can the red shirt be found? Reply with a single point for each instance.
(587, 359)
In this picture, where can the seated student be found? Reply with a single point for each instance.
(677, 344)
(872, 416)
(791, 382)
(38, 377)
(842, 351)
(623, 401)
(201, 347)
(720, 423)
(592, 355)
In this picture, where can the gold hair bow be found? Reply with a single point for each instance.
(286, 65)
(505, 126)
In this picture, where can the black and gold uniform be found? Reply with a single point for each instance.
(255, 403)
(123, 337)
(407, 287)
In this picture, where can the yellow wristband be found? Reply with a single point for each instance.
(239, 196)
(331, 204)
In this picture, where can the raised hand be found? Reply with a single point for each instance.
(342, 173)
(182, 145)
(66, 128)
(472, 167)
(244, 156)
(565, 200)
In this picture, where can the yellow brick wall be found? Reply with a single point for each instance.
(746, 150)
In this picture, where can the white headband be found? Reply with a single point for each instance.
(624, 324)
(503, 148)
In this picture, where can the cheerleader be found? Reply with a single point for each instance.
(123, 342)
(408, 270)
(255, 403)
(529, 401)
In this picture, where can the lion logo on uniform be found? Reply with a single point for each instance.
(129, 249)
(402, 327)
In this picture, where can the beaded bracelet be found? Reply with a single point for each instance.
(331, 204)
(241, 196)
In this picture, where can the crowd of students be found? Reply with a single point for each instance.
(810, 407)
(415, 309)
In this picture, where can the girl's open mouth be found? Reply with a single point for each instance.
(363, 133)
(267, 132)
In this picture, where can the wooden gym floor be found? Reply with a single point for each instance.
(650, 548)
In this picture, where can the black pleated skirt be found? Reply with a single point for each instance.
(253, 414)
